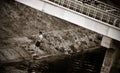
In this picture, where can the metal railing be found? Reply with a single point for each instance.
(89, 11)
(102, 6)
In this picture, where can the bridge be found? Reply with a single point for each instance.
(98, 17)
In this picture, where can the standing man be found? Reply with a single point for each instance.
(39, 39)
(37, 45)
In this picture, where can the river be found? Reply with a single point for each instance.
(86, 62)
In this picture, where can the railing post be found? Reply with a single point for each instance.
(101, 16)
(62, 2)
(108, 18)
(95, 12)
(82, 7)
(88, 11)
(69, 4)
(75, 6)
(115, 20)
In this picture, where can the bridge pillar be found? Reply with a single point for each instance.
(110, 55)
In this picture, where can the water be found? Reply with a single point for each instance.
(87, 62)
(82, 62)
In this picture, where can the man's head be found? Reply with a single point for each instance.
(40, 32)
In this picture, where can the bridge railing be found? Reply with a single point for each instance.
(89, 11)
(102, 6)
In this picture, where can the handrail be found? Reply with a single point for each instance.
(102, 6)
(103, 11)
(89, 11)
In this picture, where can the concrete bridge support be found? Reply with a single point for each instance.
(111, 54)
